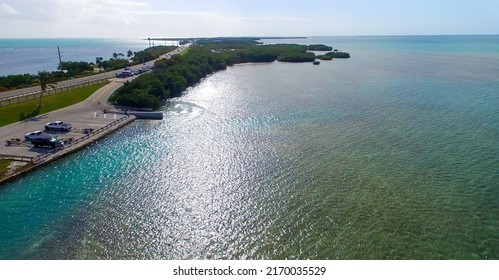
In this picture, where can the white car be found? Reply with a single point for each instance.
(33, 135)
(57, 126)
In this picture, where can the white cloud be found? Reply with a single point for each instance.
(77, 12)
(4, 8)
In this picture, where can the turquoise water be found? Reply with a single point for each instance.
(20, 56)
(387, 155)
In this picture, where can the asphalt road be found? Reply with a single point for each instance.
(110, 74)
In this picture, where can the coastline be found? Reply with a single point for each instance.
(67, 151)
(92, 113)
(390, 145)
(89, 115)
(86, 115)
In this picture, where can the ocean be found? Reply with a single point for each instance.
(391, 154)
(21, 56)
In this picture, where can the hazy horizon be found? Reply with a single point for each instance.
(223, 18)
(251, 36)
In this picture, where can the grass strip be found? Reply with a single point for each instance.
(3, 167)
(27, 109)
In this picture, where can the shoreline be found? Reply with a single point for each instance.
(90, 114)
(93, 114)
(57, 155)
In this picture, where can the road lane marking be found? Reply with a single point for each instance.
(104, 91)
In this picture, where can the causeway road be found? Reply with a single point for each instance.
(105, 75)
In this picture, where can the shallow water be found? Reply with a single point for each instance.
(387, 155)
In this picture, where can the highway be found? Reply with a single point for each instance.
(110, 74)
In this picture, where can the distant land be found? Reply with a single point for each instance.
(224, 38)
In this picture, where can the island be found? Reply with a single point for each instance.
(170, 78)
(320, 47)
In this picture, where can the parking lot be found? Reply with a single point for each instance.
(84, 117)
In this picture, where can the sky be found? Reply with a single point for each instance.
(197, 18)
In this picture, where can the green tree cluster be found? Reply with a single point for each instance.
(114, 64)
(151, 53)
(12, 82)
(17, 81)
(227, 43)
(331, 55)
(297, 57)
(173, 76)
(118, 61)
(268, 53)
(319, 47)
(338, 54)
(169, 79)
(75, 68)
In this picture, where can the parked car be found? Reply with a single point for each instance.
(51, 142)
(33, 135)
(124, 74)
(57, 126)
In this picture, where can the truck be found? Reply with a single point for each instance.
(57, 126)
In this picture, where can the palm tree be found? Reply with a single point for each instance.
(44, 77)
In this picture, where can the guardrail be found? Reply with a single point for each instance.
(16, 158)
(42, 157)
(50, 91)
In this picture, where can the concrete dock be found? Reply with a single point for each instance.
(91, 119)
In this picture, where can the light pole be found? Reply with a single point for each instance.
(60, 60)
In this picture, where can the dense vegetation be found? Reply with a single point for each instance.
(319, 47)
(338, 54)
(74, 69)
(114, 64)
(15, 81)
(151, 53)
(227, 43)
(171, 77)
(12, 82)
(297, 57)
(331, 55)
(324, 57)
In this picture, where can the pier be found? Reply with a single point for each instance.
(147, 115)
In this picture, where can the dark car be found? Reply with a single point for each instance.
(124, 74)
(47, 142)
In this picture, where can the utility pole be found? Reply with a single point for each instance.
(60, 60)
